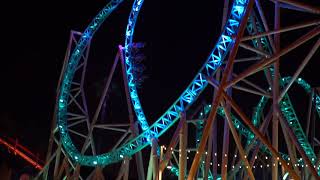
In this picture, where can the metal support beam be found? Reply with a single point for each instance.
(310, 113)
(134, 129)
(247, 59)
(307, 8)
(238, 143)
(286, 29)
(155, 159)
(215, 104)
(251, 91)
(264, 21)
(49, 155)
(259, 135)
(275, 93)
(291, 150)
(161, 157)
(298, 146)
(258, 51)
(226, 139)
(172, 145)
(299, 70)
(123, 169)
(214, 149)
(126, 173)
(182, 147)
(212, 144)
(57, 162)
(150, 167)
(263, 128)
(253, 85)
(267, 62)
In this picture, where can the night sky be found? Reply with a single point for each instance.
(35, 36)
(178, 39)
(34, 43)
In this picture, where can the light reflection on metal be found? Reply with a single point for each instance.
(171, 115)
(16, 150)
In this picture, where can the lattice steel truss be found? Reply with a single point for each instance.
(244, 29)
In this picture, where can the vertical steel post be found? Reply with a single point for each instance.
(215, 104)
(182, 147)
(172, 144)
(259, 135)
(275, 92)
(161, 158)
(225, 150)
(226, 138)
(268, 61)
(150, 167)
(212, 144)
(298, 146)
(309, 116)
(214, 149)
(155, 159)
(53, 122)
(57, 162)
(126, 173)
(138, 155)
(238, 143)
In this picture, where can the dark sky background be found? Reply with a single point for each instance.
(35, 36)
(178, 36)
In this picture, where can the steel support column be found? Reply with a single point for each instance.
(257, 133)
(248, 122)
(134, 129)
(238, 143)
(275, 93)
(182, 148)
(267, 62)
(216, 102)
(298, 146)
(155, 159)
(299, 70)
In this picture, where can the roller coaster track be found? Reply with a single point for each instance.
(171, 116)
(285, 105)
(286, 108)
(214, 61)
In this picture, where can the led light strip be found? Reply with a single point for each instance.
(199, 82)
(243, 130)
(171, 115)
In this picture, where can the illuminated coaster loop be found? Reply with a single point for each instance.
(198, 84)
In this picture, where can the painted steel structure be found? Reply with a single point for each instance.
(221, 49)
(289, 113)
(23, 152)
(267, 48)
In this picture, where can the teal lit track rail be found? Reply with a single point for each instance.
(198, 84)
(285, 105)
(290, 115)
(287, 110)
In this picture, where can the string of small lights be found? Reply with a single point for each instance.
(175, 170)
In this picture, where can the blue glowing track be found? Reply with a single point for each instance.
(198, 84)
